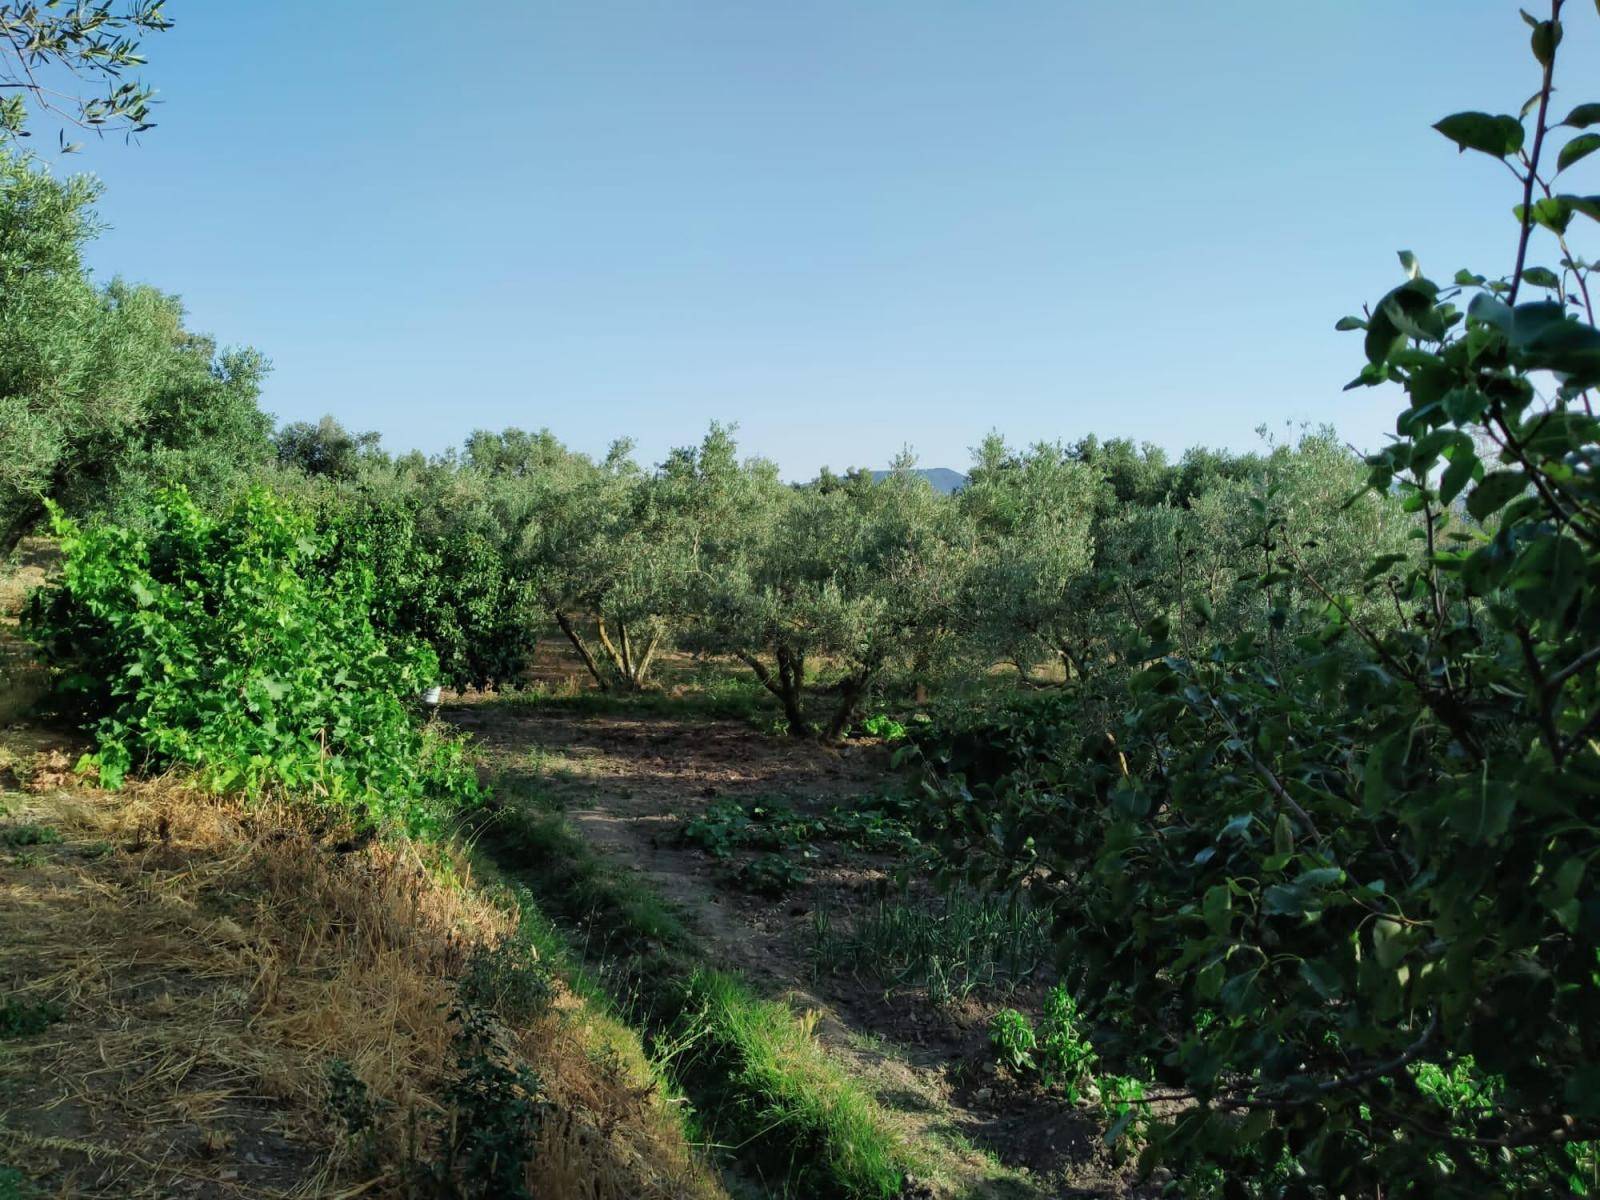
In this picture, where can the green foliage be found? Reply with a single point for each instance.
(1057, 1050)
(30, 835)
(771, 875)
(955, 946)
(351, 1101)
(1124, 1107)
(104, 396)
(496, 1109)
(325, 450)
(14, 1185)
(1322, 826)
(20, 1018)
(882, 725)
(1066, 1058)
(1014, 1041)
(212, 642)
(50, 48)
(509, 979)
(875, 824)
(440, 572)
(865, 574)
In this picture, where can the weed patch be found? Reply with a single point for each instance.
(788, 838)
(20, 1019)
(953, 946)
(30, 835)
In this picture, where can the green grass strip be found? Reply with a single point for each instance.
(762, 1084)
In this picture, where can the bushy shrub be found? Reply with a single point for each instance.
(509, 979)
(212, 643)
(443, 583)
(1328, 864)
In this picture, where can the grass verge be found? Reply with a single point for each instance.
(762, 1084)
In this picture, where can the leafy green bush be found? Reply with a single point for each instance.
(1057, 1050)
(213, 643)
(509, 979)
(20, 1019)
(1124, 1105)
(30, 835)
(438, 577)
(104, 395)
(1066, 1059)
(882, 725)
(1014, 1040)
(1336, 837)
(497, 1106)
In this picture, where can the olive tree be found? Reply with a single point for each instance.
(1033, 514)
(104, 395)
(70, 61)
(862, 577)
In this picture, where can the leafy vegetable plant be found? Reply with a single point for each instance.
(212, 643)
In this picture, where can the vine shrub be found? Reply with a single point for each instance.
(1333, 878)
(214, 643)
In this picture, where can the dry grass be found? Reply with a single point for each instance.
(209, 962)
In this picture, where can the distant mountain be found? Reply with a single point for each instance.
(943, 479)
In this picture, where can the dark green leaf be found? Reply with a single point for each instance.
(1491, 311)
(1589, 206)
(1552, 212)
(1461, 471)
(1547, 575)
(1498, 136)
(1583, 116)
(1546, 37)
(1283, 835)
(1578, 148)
(1482, 811)
(1323, 977)
(1389, 942)
(1494, 492)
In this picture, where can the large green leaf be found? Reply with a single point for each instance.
(1482, 811)
(1498, 136)
(1548, 574)
(1583, 116)
(1577, 149)
(1494, 492)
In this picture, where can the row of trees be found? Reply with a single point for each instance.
(1043, 561)
(106, 398)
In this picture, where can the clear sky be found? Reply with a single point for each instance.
(848, 225)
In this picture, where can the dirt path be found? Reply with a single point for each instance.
(628, 781)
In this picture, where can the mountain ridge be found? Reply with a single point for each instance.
(942, 479)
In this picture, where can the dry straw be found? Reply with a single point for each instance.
(210, 961)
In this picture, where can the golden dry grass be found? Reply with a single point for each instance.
(210, 961)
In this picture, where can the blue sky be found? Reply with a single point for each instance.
(848, 226)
